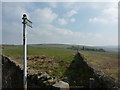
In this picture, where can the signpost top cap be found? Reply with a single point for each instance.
(24, 16)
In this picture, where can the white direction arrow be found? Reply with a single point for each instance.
(28, 23)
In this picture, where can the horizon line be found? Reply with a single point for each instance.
(61, 43)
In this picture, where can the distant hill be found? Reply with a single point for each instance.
(51, 45)
(106, 48)
(109, 48)
(68, 46)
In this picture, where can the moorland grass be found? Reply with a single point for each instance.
(105, 61)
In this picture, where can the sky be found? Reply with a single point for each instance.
(83, 23)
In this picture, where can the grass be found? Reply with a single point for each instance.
(12, 50)
(60, 54)
(49, 51)
(105, 61)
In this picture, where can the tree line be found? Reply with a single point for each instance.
(86, 48)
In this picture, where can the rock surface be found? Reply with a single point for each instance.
(62, 85)
(41, 80)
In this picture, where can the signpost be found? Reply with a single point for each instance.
(28, 23)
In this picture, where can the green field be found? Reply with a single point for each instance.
(107, 62)
(59, 53)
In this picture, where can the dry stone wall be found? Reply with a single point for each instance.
(88, 77)
(12, 76)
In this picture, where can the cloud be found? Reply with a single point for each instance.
(12, 22)
(98, 20)
(51, 34)
(61, 0)
(72, 20)
(16, 14)
(12, 33)
(45, 32)
(71, 13)
(108, 16)
(62, 21)
(45, 15)
(53, 4)
(71, 5)
(1, 23)
(111, 13)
